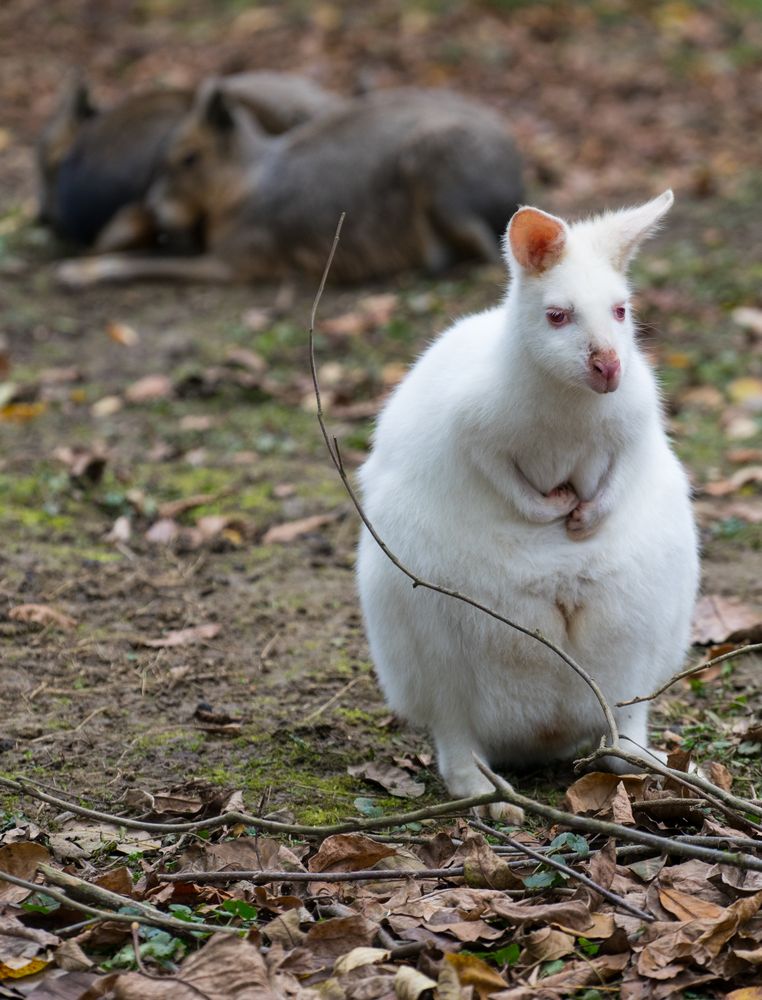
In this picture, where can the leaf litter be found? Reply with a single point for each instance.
(472, 925)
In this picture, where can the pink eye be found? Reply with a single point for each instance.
(557, 317)
(619, 313)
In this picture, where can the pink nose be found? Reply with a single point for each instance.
(605, 371)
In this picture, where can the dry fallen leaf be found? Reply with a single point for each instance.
(348, 852)
(291, 530)
(149, 389)
(742, 477)
(42, 614)
(122, 334)
(716, 618)
(20, 859)
(472, 971)
(184, 636)
(688, 907)
(393, 779)
(226, 968)
(409, 983)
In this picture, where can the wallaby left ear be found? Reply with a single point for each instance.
(631, 226)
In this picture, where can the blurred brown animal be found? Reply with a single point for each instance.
(95, 167)
(426, 178)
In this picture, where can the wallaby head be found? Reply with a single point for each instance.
(205, 161)
(570, 294)
(58, 137)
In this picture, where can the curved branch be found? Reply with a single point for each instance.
(417, 581)
(741, 651)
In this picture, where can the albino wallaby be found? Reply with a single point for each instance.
(425, 178)
(523, 461)
(95, 167)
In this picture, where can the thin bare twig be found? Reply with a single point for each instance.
(664, 845)
(158, 920)
(263, 877)
(688, 779)
(456, 807)
(552, 862)
(741, 651)
(333, 450)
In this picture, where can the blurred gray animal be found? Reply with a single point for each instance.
(95, 167)
(426, 178)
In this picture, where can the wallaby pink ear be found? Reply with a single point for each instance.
(536, 239)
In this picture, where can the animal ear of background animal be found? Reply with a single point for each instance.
(624, 231)
(536, 239)
(76, 104)
(217, 111)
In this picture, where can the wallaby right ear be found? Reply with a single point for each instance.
(535, 240)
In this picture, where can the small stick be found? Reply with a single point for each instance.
(161, 921)
(664, 845)
(552, 862)
(689, 780)
(741, 651)
(456, 807)
(417, 581)
(97, 894)
(263, 877)
(332, 700)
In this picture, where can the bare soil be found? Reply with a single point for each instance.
(611, 103)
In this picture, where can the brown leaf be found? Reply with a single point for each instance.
(149, 389)
(688, 907)
(573, 913)
(174, 508)
(393, 779)
(184, 636)
(472, 971)
(348, 852)
(329, 939)
(546, 944)
(484, 869)
(20, 859)
(718, 774)
(739, 479)
(42, 614)
(60, 985)
(247, 359)
(122, 333)
(226, 968)
(603, 793)
(282, 534)
(410, 984)
(20, 944)
(716, 618)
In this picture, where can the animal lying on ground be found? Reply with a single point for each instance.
(425, 178)
(95, 167)
(523, 461)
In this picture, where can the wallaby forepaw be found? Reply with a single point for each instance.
(563, 498)
(582, 521)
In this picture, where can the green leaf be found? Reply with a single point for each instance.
(38, 902)
(551, 968)
(573, 841)
(367, 807)
(507, 955)
(540, 880)
(589, 947)
(240, 908)
(181, 912)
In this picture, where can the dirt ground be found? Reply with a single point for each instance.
(611, 102)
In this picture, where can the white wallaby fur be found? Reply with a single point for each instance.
(523, 461)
